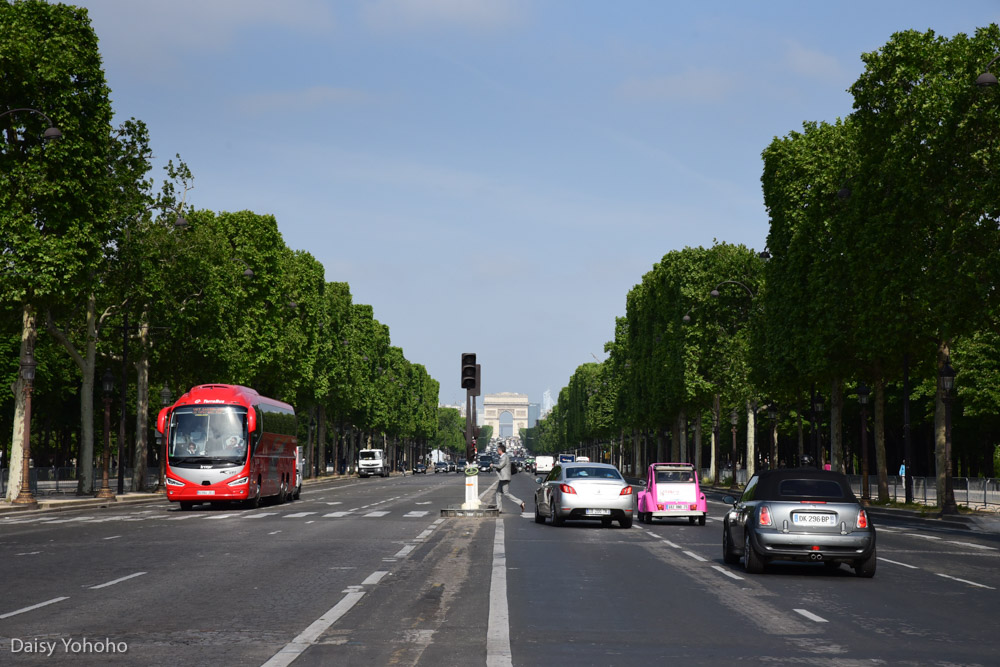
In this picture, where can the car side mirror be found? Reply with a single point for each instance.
(538, 480)
(729, 500)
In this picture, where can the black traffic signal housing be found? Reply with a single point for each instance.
(469, 375)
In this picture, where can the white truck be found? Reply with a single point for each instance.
(543, 464)
(372, 462)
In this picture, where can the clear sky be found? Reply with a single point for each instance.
(493, 176)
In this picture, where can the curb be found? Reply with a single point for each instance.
(7, 509)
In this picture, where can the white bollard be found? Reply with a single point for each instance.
(471, 492)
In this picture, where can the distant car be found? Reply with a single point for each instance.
(798, 514)
(440, 466)
(420, 468)
(451, 466)
(460, 466)
(672, 491)
(486, 463)
(587, 491)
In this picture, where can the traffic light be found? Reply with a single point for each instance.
(468, 370)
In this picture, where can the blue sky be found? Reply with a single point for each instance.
(494, 176)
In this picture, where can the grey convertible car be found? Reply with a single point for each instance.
(800, 514)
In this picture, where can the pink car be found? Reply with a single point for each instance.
(672, 491)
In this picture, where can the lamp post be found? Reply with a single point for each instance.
(161, 486)
(715, 443)
(24, 496)
(947, 378)
(863, 393)
(772, 414)
(52, 132)
(108, 385)
(734, 418)
(817, 411)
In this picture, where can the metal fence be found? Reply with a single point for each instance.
(63, 481)
(974, 492)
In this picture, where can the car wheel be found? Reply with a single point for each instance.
(625, 521)
(538, 515)
(728, 557)
(752, 563)
(649, 518)
(701, 520)
(866, 568)
(605, 523)
(556, 519)
(691, 520)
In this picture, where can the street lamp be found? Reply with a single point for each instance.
(817, 411)
(108, 385)
(716, 445)
(161, 487)
(947, 378)
(863, 393)
(987, 79)
(53, 132)
(734, 418)
(24, 496)
(772, 414)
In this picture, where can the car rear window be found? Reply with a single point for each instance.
(811, 488)
(592, 473)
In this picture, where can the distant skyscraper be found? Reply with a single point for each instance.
(547, 402)
(533, 414)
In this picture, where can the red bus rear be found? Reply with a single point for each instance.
(227, 443)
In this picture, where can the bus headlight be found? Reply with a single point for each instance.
(173, 482)
(241, 480)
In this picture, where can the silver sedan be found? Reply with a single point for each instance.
(585, 491)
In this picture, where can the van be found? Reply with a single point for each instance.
(543, 464)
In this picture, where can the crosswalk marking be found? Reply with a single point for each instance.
(416, 514)
(376, 514)
(298, 515)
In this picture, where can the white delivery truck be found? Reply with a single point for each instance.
(543, 464)
(372, 462)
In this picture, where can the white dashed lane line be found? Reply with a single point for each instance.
(117, 581)
(32, 607)
(965, 581)
(894, 562)
(811, 616)
(727, 572)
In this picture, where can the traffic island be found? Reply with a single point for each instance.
(480, 512)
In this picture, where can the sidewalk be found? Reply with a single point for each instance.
(61, 503)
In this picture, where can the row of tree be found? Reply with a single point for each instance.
(113, 273)
(881, 269)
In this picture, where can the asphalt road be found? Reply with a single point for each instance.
(366, 572)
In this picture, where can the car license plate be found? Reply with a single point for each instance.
(206, 493)
(598, 512)
(676, 507)
(814, 519)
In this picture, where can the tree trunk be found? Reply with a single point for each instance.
(661, 444)
(883, 477)
(321, 441)
(802, 443)
(940, 433)
(28, 335)
(751, 464)
(836, 426)
(141, 410)
(697, 445)
(678, 448)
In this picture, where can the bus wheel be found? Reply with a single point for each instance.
(254, 503)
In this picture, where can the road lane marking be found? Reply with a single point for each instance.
(498, 630)
(405, 550)
(894, 562)
(374, 578)
(117, 581)
(811, 616)
(670, 544)
(32, 607)
(376, 514)
(308, 637)
(298, 515)
(219, 516)
(416, 514)
(727, 572)
(926, 537)
(79, 518)
(336, 515)
(965, 581)
(424, 535)
(113, 537)
(696, 556)
(181, 518)
(275, 532)
(257, 515)
(29, 553)
(974, 546)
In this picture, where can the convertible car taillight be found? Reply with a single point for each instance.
(765, 516)
(862, 519)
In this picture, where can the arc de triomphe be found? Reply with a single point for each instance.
(495, 405)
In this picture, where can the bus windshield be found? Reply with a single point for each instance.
(200, 432)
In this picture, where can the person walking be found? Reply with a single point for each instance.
(503, 475)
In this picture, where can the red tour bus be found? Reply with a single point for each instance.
(227, 443)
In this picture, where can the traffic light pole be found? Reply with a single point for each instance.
(470, 382)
